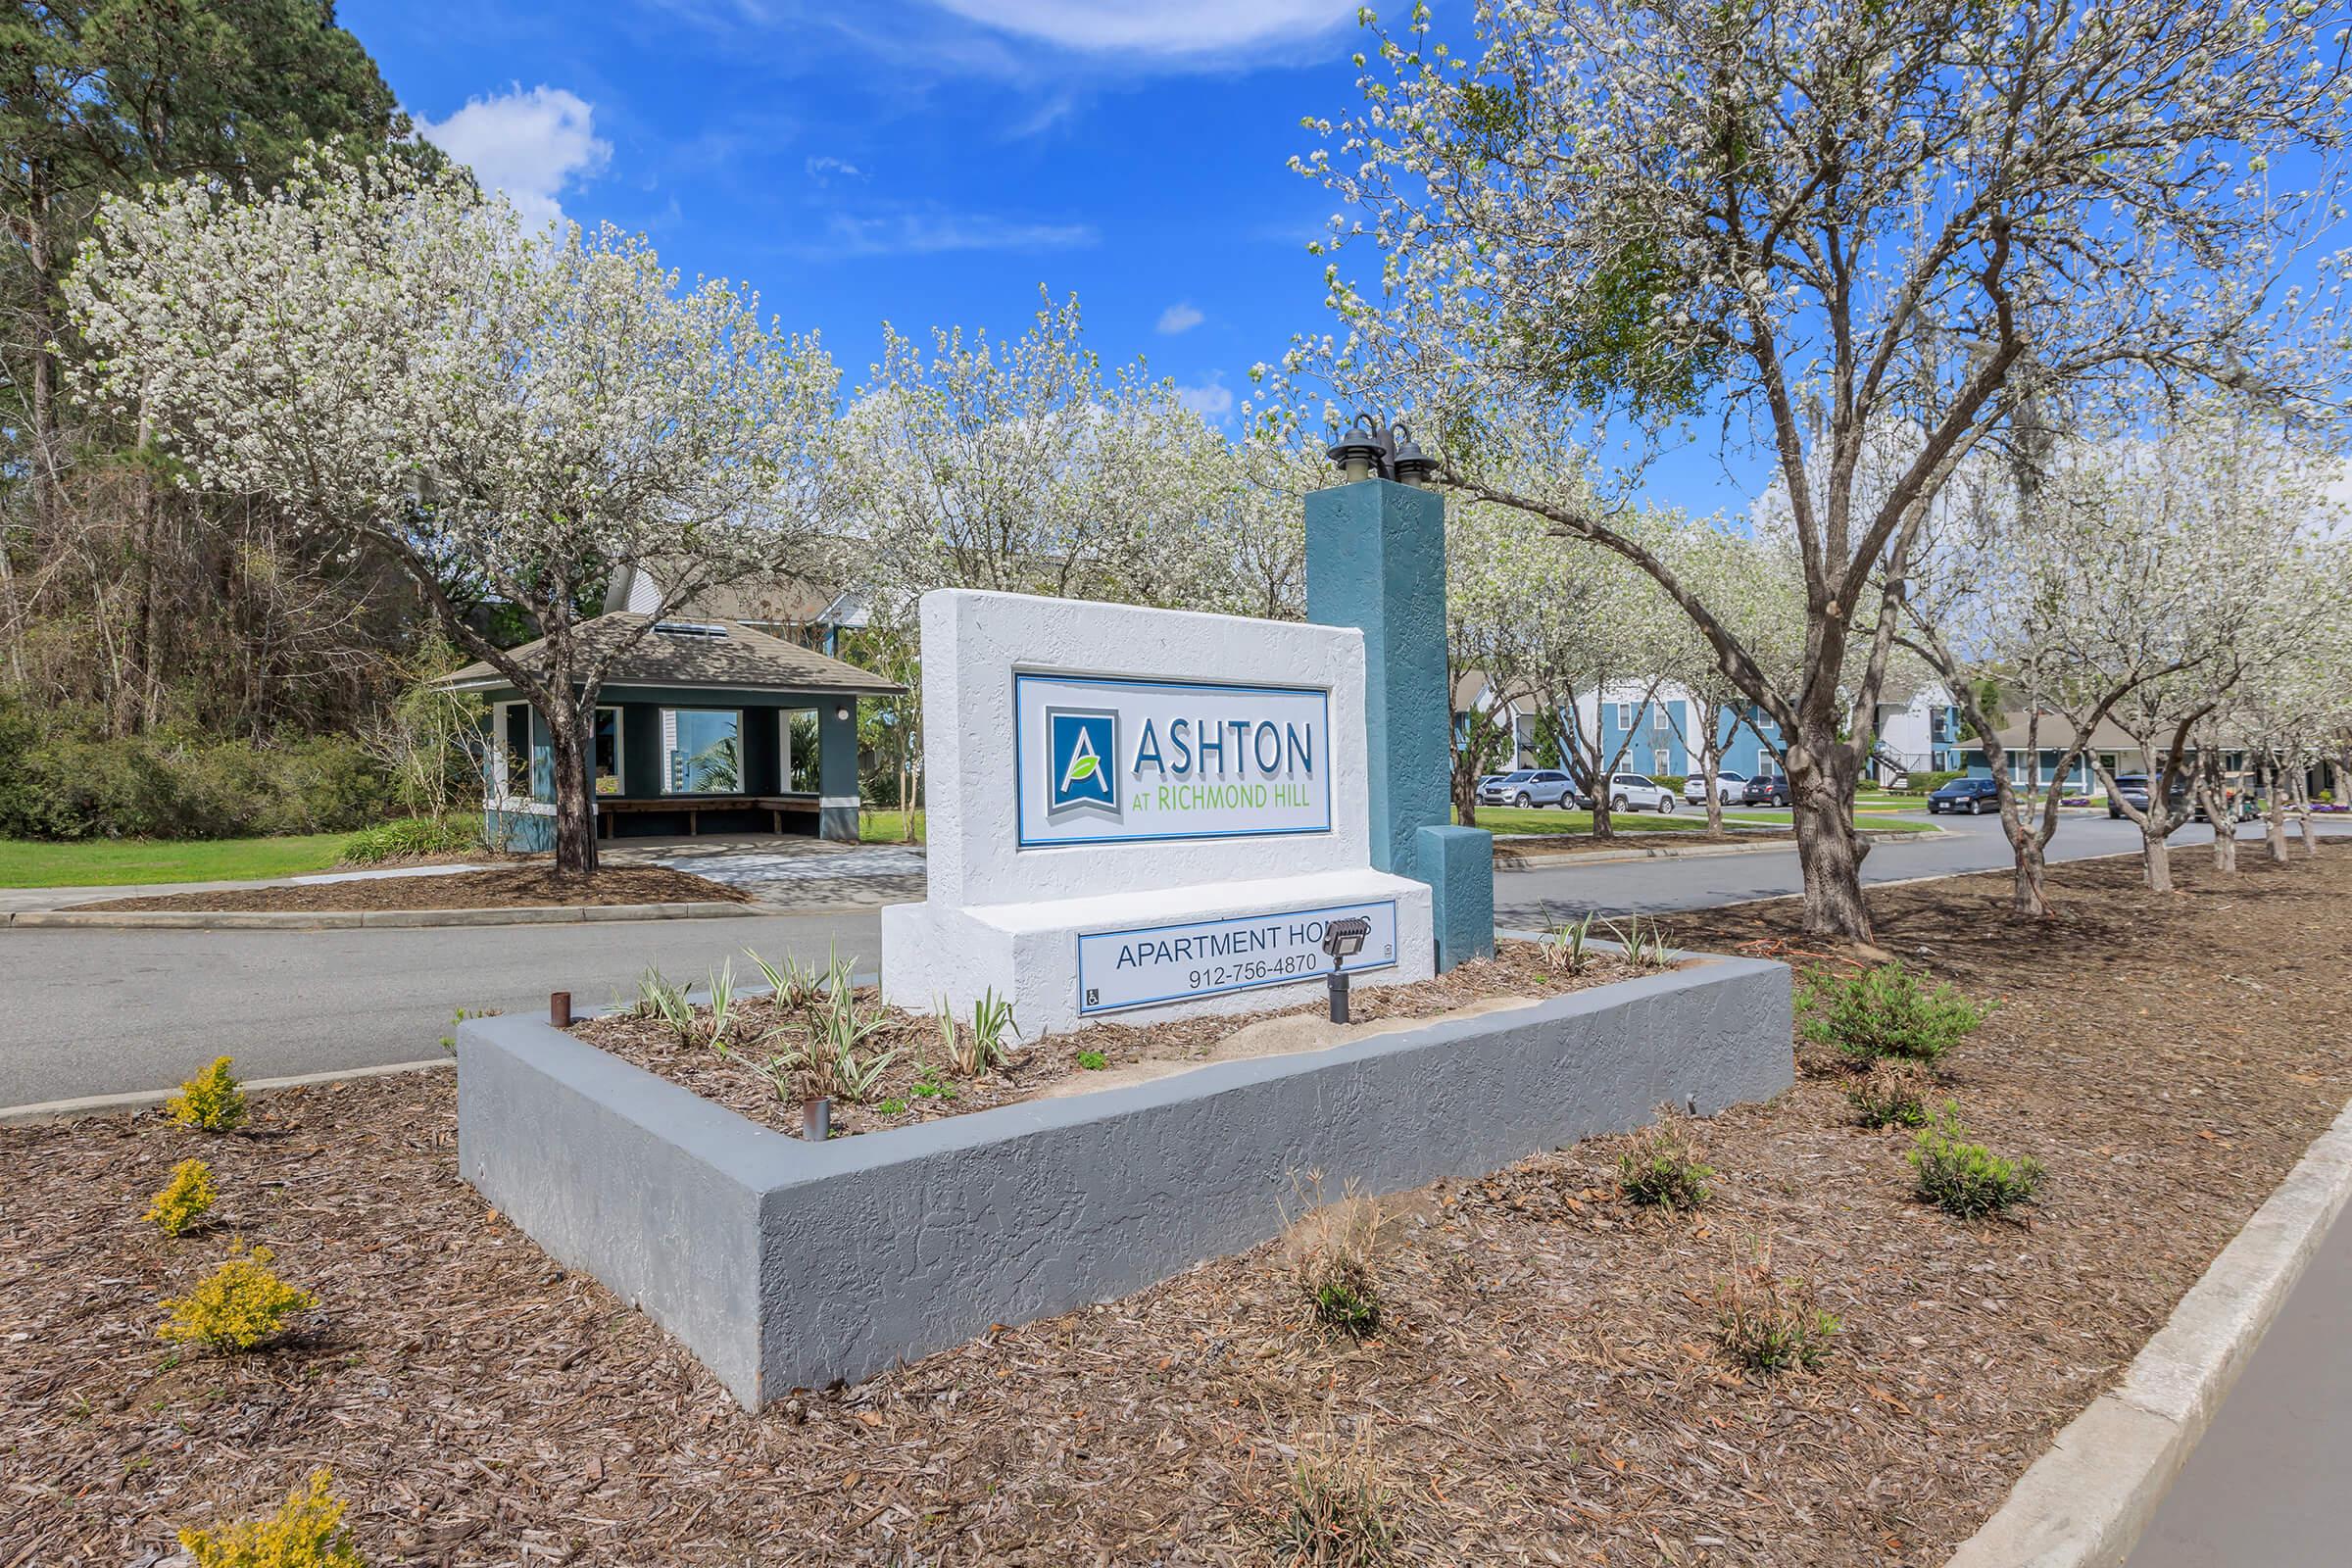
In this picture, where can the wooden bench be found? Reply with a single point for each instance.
(609, 807)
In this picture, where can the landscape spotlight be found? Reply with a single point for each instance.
(1343, 940)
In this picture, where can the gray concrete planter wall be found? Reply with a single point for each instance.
(784, 1264)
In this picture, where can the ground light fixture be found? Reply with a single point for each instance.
(1343, 940)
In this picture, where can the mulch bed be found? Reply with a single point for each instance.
(919, 1085)
(504, 887)
(1548, 1387)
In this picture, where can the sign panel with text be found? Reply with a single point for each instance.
(1154, 964)
(1102, 760)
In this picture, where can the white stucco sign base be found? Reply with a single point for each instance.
(1154, 808)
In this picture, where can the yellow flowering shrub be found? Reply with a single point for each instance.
(211, 1100)
(305, 1532)
(242, 1304)
(186, 1198)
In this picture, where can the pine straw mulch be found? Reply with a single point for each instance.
(1548, 1388)
(515, 886)
(919, 1084)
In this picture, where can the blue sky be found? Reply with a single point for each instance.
(930, 162)
(924, 160)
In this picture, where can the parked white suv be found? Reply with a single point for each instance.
(1637, 792)
(1728, 786)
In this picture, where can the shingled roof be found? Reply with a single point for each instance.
(699, 653)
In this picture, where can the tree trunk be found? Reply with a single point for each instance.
(2030, 893)
(2215, 798)
(1707, 761)
(576, 800)
(2156, 852)
(1827, 848)
(2276, 832)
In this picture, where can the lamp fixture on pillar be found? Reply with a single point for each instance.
(1366, 452)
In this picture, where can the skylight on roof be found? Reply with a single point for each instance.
(690, 628)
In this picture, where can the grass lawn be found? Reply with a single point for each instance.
(887, 827)
(113, 862)
(1508, 820)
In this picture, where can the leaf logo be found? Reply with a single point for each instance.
(1080, 748)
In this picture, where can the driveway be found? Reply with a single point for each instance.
(789, 873)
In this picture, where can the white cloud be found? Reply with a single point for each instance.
(1168, 27)
(1212, 400)
(530, 145)
(928, 233)
(1180, 317)
(825, 169)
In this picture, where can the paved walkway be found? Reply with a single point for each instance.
(2266, 1487)
(788, 872)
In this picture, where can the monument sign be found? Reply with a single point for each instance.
(1136, 813)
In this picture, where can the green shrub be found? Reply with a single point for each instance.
(1968, 1179)
(405, 837)
(1093, 1061)
(1927, 783)
(305, 1532)
(1670, 781)
(1331, 1253)
(1662, 1169)
(239, 1306)
(210, 1101)
(1772, 1324)
(66, 778)
(186, 1199)
(1338, 1512)
(1894, 1094)
(1884, 1011)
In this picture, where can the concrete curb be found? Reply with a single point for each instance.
(2084, 1503)
(142, 1099)
(1517, 860)
(370, 919)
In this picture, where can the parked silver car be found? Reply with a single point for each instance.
(1526, 787)
(1728, 787)
(1638, 792)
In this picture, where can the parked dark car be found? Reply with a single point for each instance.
(1970, 797)
(1770, 789)
(1527, 786)
(2133, 787)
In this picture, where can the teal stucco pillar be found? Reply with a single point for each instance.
(1376, 559)
(837, 769)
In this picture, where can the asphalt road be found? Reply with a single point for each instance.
(1697, 882)
(88, 1011)
(104, 1012)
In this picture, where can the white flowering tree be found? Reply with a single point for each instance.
(392, 356)
(2184, 573)
(1808, 222)
(2044, 587)
(1019, 465)
(1494, 588)
(1748, 578)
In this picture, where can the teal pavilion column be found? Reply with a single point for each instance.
(1376, 559)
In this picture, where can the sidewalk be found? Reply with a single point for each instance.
(2266, 1486)
(14, 900)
